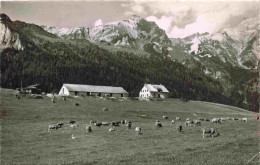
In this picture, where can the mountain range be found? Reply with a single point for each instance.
(221, 56)
(238, 45)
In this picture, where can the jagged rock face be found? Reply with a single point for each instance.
(8, 34)
(134, 33)
(238, 46)
(247, 33)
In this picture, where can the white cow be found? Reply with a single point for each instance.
(244, 119)
(138, 130)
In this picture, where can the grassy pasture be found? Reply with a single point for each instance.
(25, 140)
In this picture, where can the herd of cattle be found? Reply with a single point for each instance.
(188, 123)
(212, 132)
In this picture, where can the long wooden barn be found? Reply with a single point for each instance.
(92, 90)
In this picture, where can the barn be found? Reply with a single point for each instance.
(92, 90)
(153, 91)
(33, 89)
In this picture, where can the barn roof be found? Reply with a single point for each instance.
(94, 88)
(32, 86)
(155, 88)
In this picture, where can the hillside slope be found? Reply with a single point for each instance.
(25, 138)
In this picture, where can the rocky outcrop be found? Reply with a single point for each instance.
(9, 37)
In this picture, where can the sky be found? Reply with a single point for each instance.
(178, 18)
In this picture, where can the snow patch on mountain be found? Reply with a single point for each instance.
(123, 42)
(195, 45)
(59, 31)
(206, 55)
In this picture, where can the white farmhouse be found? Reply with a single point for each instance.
(153, 91)
(92, 90)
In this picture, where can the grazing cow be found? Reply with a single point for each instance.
(74, 125)
(72, 122)
(123, 121)
(73, 137)
(188, 123)
(216, 120)
(197, 122)
(98, 124)
(229, 118)
(128, 125)
(212, 132)
(179, 128)
(111, 129)
(223, 119)
(17, 96)
(60, 124)
(76, 104)
(178, 118)
(105, 123)
(92, 121)
(165, 117)
(206, 119)
(244, 119)
(138, 130)
(115, 124)
(52, 127)
(105, 109)
(234, 118)
(201, 119)
(158, 123)
(143, 116)
(118, 122)
(88, 128)
(173, 122)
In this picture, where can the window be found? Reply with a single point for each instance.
(76, 93)
(99, 94)
(111, 94)
(88, 93)
(122, 95)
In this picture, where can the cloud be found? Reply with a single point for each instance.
(164, 22)
(180, 19)
(98, 22)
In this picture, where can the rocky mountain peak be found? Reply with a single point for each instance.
(9, 36)
(5, 20)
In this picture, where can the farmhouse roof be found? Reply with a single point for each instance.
(156, 88)
(94, 88)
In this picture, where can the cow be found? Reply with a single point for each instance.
(211, 131)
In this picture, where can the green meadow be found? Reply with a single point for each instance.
(25, 138)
